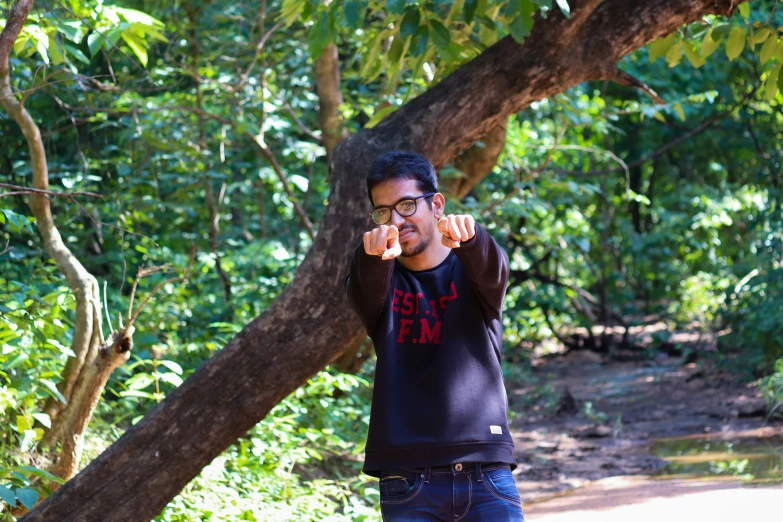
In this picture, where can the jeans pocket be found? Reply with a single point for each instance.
(399, 486)
(501, 483)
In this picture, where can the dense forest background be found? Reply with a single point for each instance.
(187, 148)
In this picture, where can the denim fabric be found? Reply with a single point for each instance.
(451, 496)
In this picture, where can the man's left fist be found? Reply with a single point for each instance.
(456, 229)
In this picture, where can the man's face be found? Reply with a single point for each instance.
(417, 231)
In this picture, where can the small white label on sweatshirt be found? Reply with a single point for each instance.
(496, 430)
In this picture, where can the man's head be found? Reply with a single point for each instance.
(400, 176)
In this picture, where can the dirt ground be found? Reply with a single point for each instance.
(593, 462)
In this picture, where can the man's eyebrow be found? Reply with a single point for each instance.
(376, 207)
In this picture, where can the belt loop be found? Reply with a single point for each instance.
(427, 471)
(479, 476)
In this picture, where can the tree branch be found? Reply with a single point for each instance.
(13, 26)
(317, 137)
(32, 190)
(613, 72)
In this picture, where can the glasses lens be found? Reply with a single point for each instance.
(406, 207)
(381, 216)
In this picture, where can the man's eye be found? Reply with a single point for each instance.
(381, 215)
(406, 205)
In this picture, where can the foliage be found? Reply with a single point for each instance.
(296, 464)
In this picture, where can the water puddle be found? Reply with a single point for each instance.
(753, 459)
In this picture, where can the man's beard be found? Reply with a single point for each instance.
(418, 248)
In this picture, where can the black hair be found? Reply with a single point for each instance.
(402, 164)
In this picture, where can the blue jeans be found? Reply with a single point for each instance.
(469, 492)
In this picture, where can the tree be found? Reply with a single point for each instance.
(310, 325)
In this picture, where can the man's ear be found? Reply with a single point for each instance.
(438, 205)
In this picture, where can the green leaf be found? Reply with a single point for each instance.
(137, 393)
(353, 12)
(318, 36)
(674, 55)
(52, 389)
(563, 5)
(744, 10)
(771, 83)
(94, 42)
(518, 29)
(761, 35)
(7, 496)
(419, 41)
(290, 10)
(76, 53)
(299, 182)
(709, 44)
(658, 116)
(137, 46)
(680, 112)
(720, 31)
(28, 497)
(171, 378)
(28, 440)
(171, 365)
(396, 6)
(469, 10)
(23, 423)
(139, 381)
(410, 23)
(43, 418)
(660, 47)
(735, 43)
(379, 115)
(780, 81)
(693, 56)
(520, 14)
(71, 29)
(440, 35)
(55, 52)
(42, 473)
(395, 51)
(768, 50)
(131, 15)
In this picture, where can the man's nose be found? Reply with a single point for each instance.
(396, 219)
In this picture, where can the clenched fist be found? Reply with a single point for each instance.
(383, 241)
(456, 229)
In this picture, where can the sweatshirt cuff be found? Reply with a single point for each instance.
(371, 262)
(475, 243)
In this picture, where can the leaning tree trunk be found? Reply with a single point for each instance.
(309, 324)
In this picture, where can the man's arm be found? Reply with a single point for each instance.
(369, 281)
(485, 262)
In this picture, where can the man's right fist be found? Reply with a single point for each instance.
(383, 241)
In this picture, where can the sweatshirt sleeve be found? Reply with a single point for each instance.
(368, 285)
(486, 265)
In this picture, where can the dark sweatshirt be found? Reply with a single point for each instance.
(438, 396)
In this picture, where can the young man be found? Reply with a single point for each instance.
(429, 289)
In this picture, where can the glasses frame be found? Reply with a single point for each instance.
(393, 208)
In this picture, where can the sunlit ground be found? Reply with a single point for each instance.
(640, 499)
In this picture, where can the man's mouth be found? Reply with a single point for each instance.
(405, 234)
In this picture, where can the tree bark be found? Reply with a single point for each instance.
(330, 97)
(478, 161)
(310, 323)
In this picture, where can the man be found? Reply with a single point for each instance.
(429, 289)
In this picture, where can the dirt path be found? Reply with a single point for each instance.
(633, 406)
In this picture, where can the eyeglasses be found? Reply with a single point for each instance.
(404, 207)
